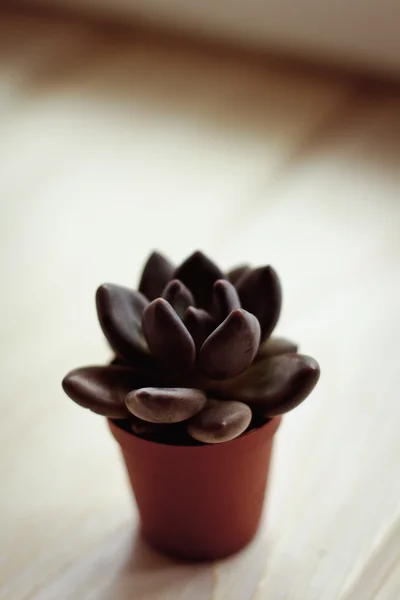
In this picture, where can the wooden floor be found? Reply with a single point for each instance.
(111, 145)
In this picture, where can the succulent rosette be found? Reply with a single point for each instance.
(194, 358)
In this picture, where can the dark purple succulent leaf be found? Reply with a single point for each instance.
(235, 274)
(231, 348)
(199, 324)
(225, 299)
(102, 389)
(168, 339)
(260, 293)
(199, 274)
(274, 346)
(220, 421)
(120, 311)
(165, 405)
(179, 297)
(156, 274)
(117, 360)
(276, 385)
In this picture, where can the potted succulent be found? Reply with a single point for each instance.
(194, 396)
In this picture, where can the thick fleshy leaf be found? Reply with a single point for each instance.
(168, 339)
(220, 421)
(120, 310)
(199, 274)
(235, 274)
(276, 385)
(179, 297)
(225, 299)
(260, 293)
(231, 348)
(102, 389)
(165, 405)
(274, 346)
(117, 360)
(199, 324)
(156, 274)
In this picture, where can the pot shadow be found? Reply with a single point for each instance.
(238, 576)
(119, 566)
(144, 574)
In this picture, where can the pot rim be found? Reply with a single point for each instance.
(125, 439)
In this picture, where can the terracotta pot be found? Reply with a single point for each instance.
(199, 502)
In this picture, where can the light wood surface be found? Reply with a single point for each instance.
(111, 145)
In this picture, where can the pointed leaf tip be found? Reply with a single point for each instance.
(225, 299)
(260, 294)
(199, 274)
(178, 295)
(168, 339)
(157, 272)
(119, 310)
(231, 348)
(199, 324)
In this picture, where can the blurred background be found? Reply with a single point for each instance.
(262, 132)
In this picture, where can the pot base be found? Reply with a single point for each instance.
(199, 502)
(194, 552)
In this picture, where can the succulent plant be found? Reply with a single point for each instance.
(194, 358)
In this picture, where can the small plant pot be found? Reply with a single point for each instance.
(199, 502)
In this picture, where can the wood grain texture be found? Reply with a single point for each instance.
(112, 145)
